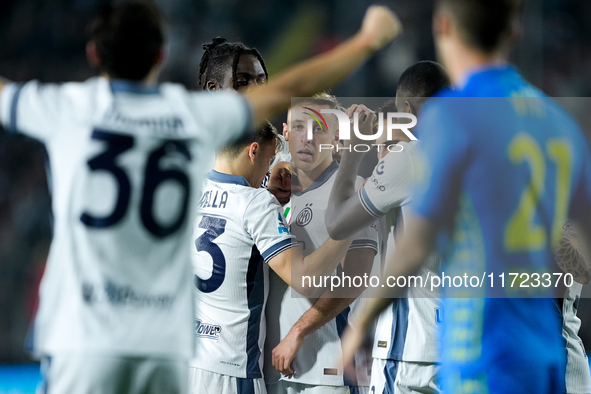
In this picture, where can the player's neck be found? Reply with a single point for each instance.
(150, 79)
(233, 167)
(462, 61)
(307, 178)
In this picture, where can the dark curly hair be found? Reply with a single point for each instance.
(216, 57)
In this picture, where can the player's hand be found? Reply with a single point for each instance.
(367, 122)
(352, 340)
(280, 183)
(380, 26)
(285, 352)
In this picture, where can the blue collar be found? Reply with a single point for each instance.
(325, 176)
(120, 85)
(485, 71)
(227, 178)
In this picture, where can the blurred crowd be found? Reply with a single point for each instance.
(45, 40)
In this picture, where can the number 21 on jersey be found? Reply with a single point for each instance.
(522, 234)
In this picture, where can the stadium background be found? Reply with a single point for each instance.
(45, 40)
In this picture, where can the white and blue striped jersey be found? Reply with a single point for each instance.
(318, 361)
(578, 379)
(237, 231)
(407, 329)
(125, 162)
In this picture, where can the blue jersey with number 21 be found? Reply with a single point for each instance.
(503, 167)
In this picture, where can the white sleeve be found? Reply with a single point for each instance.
(264, 222)
(366, 238)
(283, 154)
(390, 185)
(224, 115)
(32, 109)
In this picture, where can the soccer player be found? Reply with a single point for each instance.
(309, 328)
(571, 259)
(406, 340)
(126, 156)
(239, 233)
(499, 178)
(233, 65)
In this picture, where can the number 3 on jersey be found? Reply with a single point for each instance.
(522, 234)
(117, 144)
(214, 228)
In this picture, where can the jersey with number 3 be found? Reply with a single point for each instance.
(237, 231)
(125, 165)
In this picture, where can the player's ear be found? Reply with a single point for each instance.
(336, 136)
(286, 132)
(212, 85)
(92, 54)
(441, 24)
(515, 31)
(159, 57)
(409, 108)
(253, 151)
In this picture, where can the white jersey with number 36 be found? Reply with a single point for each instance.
(126, 172)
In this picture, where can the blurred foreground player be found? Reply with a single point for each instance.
(239, 233)
(405, 357)
(499, 178)
(127, 160)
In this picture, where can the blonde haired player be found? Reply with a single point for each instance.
(304, 343)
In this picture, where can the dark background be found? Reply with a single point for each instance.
(45, 40)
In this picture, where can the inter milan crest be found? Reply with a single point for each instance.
(305, 216)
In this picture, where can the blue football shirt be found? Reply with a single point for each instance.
(503, 168)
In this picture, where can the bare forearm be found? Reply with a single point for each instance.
(379, 26)
(324, 260)
(308, 78)
(338, 220)
(323, 311)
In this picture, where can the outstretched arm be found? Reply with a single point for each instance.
(379, 26)
(357, 263)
